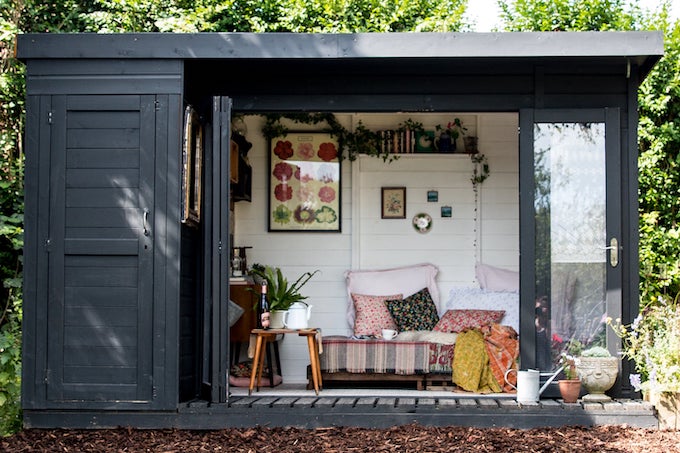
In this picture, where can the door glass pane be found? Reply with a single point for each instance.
(570, 215)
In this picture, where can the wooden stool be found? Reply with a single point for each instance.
(269, 335)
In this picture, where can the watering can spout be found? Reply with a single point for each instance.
(550, 379)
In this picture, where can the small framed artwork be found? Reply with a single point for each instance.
(432, 196)
(447, 211)
(424, 141)
(393, 203)
(304, 183)
(192, 167)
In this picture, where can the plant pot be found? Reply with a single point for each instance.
(276, 319)
(570, 389)
(667, 405)
(597, 375)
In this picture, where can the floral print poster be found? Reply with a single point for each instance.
(304, 183)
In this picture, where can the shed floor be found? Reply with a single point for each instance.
(293, 405)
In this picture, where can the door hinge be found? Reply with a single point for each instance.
(157, 105)
(48, 245)
(49, 117)
(219, 246)
(46, 380)
(154, 392)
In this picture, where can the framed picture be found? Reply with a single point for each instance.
(393, 203)
(192, 166)
(304, 183)
(432, 196)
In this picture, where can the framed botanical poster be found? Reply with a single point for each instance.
(393, 203)
(304, 183)
(192, 167)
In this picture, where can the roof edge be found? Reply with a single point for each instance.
(339, 46)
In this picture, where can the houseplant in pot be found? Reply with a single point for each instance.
(570, 386)
(598, 371)
(281, 294)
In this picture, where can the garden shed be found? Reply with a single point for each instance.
(127, 256)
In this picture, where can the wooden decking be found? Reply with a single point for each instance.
(382, 412)
(310, 411)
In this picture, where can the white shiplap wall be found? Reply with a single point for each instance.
(369, 242)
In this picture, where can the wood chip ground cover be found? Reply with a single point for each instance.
(407, 438)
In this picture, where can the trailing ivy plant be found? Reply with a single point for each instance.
(351, 143)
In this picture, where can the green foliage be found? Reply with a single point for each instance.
(652, 341)
(280, 293)
(659, 171)
(333, 16)
(11, 221)
(569, 15)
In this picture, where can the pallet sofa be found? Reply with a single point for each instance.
(407, 299)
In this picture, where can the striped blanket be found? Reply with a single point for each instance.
(380, 356)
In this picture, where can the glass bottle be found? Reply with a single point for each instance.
(263, 308)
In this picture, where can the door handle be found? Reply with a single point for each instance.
(145, 222)
(613, 252)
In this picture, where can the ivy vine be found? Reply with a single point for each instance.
(360, 141)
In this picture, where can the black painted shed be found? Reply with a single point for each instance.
(124, 307)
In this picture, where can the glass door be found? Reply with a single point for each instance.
(573, 213)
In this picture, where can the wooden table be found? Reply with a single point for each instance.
(265, 335)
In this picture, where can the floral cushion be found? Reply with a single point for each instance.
(372, 315)
(416, 312)
(459, 320)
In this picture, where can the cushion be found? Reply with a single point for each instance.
(416, 312)
(496, 279)
(456, 321)
(477, 298)
(235, 312)
(401, 280)
(372, 314)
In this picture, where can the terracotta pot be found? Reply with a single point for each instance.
(598, 375)
(569, 389)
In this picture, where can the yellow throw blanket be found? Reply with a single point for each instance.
(471, 369)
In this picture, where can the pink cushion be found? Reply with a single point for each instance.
(455, 321)
(496, 279)
(372, 314)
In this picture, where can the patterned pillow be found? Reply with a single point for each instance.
(416, 312)
(459, 320)
(372, 315)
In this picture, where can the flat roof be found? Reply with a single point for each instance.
(635, 44)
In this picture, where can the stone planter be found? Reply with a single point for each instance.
(667, 405)
(597, 375)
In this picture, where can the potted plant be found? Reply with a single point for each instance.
(598, 371)
(281, 294)
(446, 141)
(570, 386)
(652, 342)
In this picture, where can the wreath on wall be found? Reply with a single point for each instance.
(360, 141)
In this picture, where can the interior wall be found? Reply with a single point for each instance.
(369, 242)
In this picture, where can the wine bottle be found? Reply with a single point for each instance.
(264, 308)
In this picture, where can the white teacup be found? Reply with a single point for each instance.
(388, 334)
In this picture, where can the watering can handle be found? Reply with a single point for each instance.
(550, 379)
(505, 376)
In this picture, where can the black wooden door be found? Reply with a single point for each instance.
(217, 185)
(100, 249)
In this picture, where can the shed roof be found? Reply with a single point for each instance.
(643, 48)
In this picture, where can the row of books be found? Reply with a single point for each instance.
(406, 141)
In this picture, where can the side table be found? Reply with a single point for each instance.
(268, 335)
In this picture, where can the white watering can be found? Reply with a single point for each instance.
(297, 316)
(528, 383)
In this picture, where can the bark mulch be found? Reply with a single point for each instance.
(408, 438)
